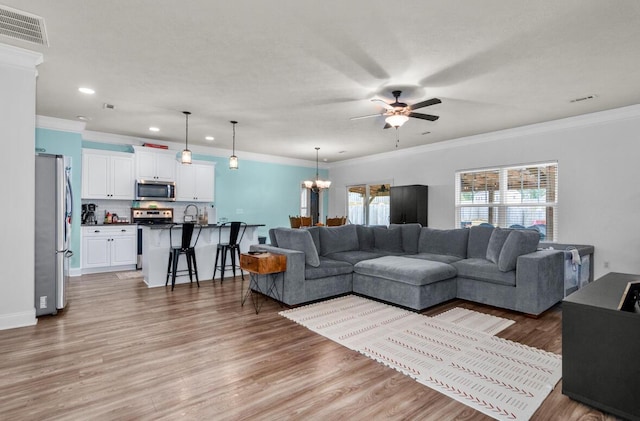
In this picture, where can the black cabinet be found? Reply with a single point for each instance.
(409, 204)
(601, 349)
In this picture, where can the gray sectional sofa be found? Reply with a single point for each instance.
(417, 267)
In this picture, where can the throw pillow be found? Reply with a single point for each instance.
(498, 237)
(479, 237)
(518, 242)
(451, 242)
(388, 239)
(336, 239)
(410, 236)
(365, 237)
(299, 240)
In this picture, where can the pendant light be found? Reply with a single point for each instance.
(317, 184)
(186, 153)
(233, 159)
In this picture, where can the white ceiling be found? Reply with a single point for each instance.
(292, 73)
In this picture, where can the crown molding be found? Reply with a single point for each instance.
(583, 120)
(52, 123)
(19, 57)
(196, 149)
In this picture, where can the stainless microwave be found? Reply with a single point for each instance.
(164, 191)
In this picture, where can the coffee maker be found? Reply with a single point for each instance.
(89, 214)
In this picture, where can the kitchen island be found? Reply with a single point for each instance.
(155, 250)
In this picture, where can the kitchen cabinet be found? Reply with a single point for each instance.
(195, 182)
(107, 175)
(155, 164)
(409, 204)
(106, 248)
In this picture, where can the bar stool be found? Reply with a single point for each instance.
(187, 248)
(236, 232)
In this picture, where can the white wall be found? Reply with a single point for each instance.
(598, 164)
(17, 134)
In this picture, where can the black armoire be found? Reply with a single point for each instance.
(409, 204)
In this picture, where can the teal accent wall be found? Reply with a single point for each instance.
(257, 193)
(68, 144)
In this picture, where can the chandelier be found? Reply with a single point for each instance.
(317, 184)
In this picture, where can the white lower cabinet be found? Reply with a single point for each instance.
(109, 248)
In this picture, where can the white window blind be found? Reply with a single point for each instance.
(524, 196)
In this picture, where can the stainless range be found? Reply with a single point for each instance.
(149, 216)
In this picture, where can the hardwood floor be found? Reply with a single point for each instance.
(123, 351)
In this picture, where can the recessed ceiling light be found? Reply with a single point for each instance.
(87, 91)
(154, 129)
(83, 118)
(209, 138)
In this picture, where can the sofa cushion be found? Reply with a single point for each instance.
(406, 270)
(354, 256)
(388, 239)
(334, 239)
(299, 240)
(443, 258)
(450, 242)
(365, 237)
(518, 242)
(484, 270)
(498, 237)
(410, 236)
(479, 236)
(327, 267)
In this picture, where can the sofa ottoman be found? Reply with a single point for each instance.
(412, 283)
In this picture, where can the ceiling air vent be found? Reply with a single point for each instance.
(584, 98)
(23, 26)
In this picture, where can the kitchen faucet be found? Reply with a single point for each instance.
(187, 208)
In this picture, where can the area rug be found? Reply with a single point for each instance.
(129, 274)
(455, 353)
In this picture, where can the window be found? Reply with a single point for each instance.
(518, 197)
(368, 204)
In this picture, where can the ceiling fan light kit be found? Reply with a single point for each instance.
(233, 159)
(317, 184)
(186, 153)
(397, 113)
(396, 120)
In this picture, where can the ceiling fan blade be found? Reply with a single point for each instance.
(424, 116)
(366, 116)
(387, 126)
(383, 103)
(432, 101)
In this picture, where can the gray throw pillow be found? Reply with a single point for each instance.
(365, 237)
(451, 242)
(388, 239)
(498, 237)
(479, 237)
(410, 236)
(299, 240)
(336, 239)
(518, 242)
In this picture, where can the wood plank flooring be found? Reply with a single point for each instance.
(123, 351)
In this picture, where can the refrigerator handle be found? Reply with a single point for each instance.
(68, 253)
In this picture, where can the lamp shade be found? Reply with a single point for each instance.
(233, 162)
(186, 157)
(396, 120)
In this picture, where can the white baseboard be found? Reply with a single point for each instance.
(13, 320)
(75, 272)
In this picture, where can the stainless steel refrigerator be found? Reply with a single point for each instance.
(54, 204)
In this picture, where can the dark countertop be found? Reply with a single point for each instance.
(109, 225)
(165, 226)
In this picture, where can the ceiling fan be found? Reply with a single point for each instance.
(398, 113)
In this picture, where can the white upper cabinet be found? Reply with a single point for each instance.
(155, 164)
(195, 182)
(107, 175)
